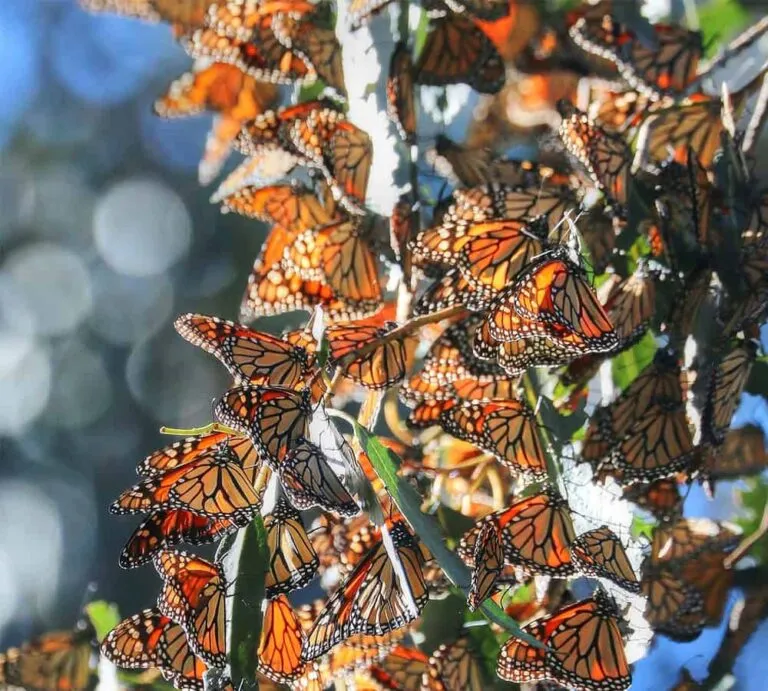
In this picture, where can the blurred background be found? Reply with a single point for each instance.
(106, 236)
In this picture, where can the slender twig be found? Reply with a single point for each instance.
(748, 542)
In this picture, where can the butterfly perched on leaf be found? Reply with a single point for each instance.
(584, 648)
(55, 660)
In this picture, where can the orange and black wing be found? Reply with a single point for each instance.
(167, 528)
(599, 553)
(249, 356)
(281, 642)
(273, 418)
(458, 52)
(308, 480)
(373, 600)
(293, 561)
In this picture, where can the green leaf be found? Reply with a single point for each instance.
(104, 616)
(642, 528)
(719, 20)
(426, 527)
(627, 365)
(245, 568)
(454, 523)
(421, 34)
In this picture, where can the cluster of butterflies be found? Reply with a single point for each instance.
(524, 268)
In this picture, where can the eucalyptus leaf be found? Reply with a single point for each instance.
(245, 568)
(427, 527)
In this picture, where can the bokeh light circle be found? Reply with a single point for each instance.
(142, 227)
(25, 379)
(54, 285)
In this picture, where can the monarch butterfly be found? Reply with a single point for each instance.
(450, 290)
(401, 669)
(401, 107)
(599, 553)
(214, 484)
(536, 533)
(552, 299)
(308, 481)
(453, 667)
(274, 419)
(224, 89)
(605, 156)
(316, 44)
(193, 596)
(293, 208)
(186, 450)
(658, 382)
(271, 127)
(670, 66)
(458, 52)
(249, 356)
(488, 559)
(273, 289)
(685, 578)
(661, 498)
(728, 380)
(489, 254)
(281, 640)
(378, 369)
(506, 202)
(373, 599)
(341, 151)
(336, 254)
(55, 660)
(150, 639)
(630, 306)
(293, 560)
(166, 528)
(506, 429)
(741, 453)
(584, 648)
(261, 56)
